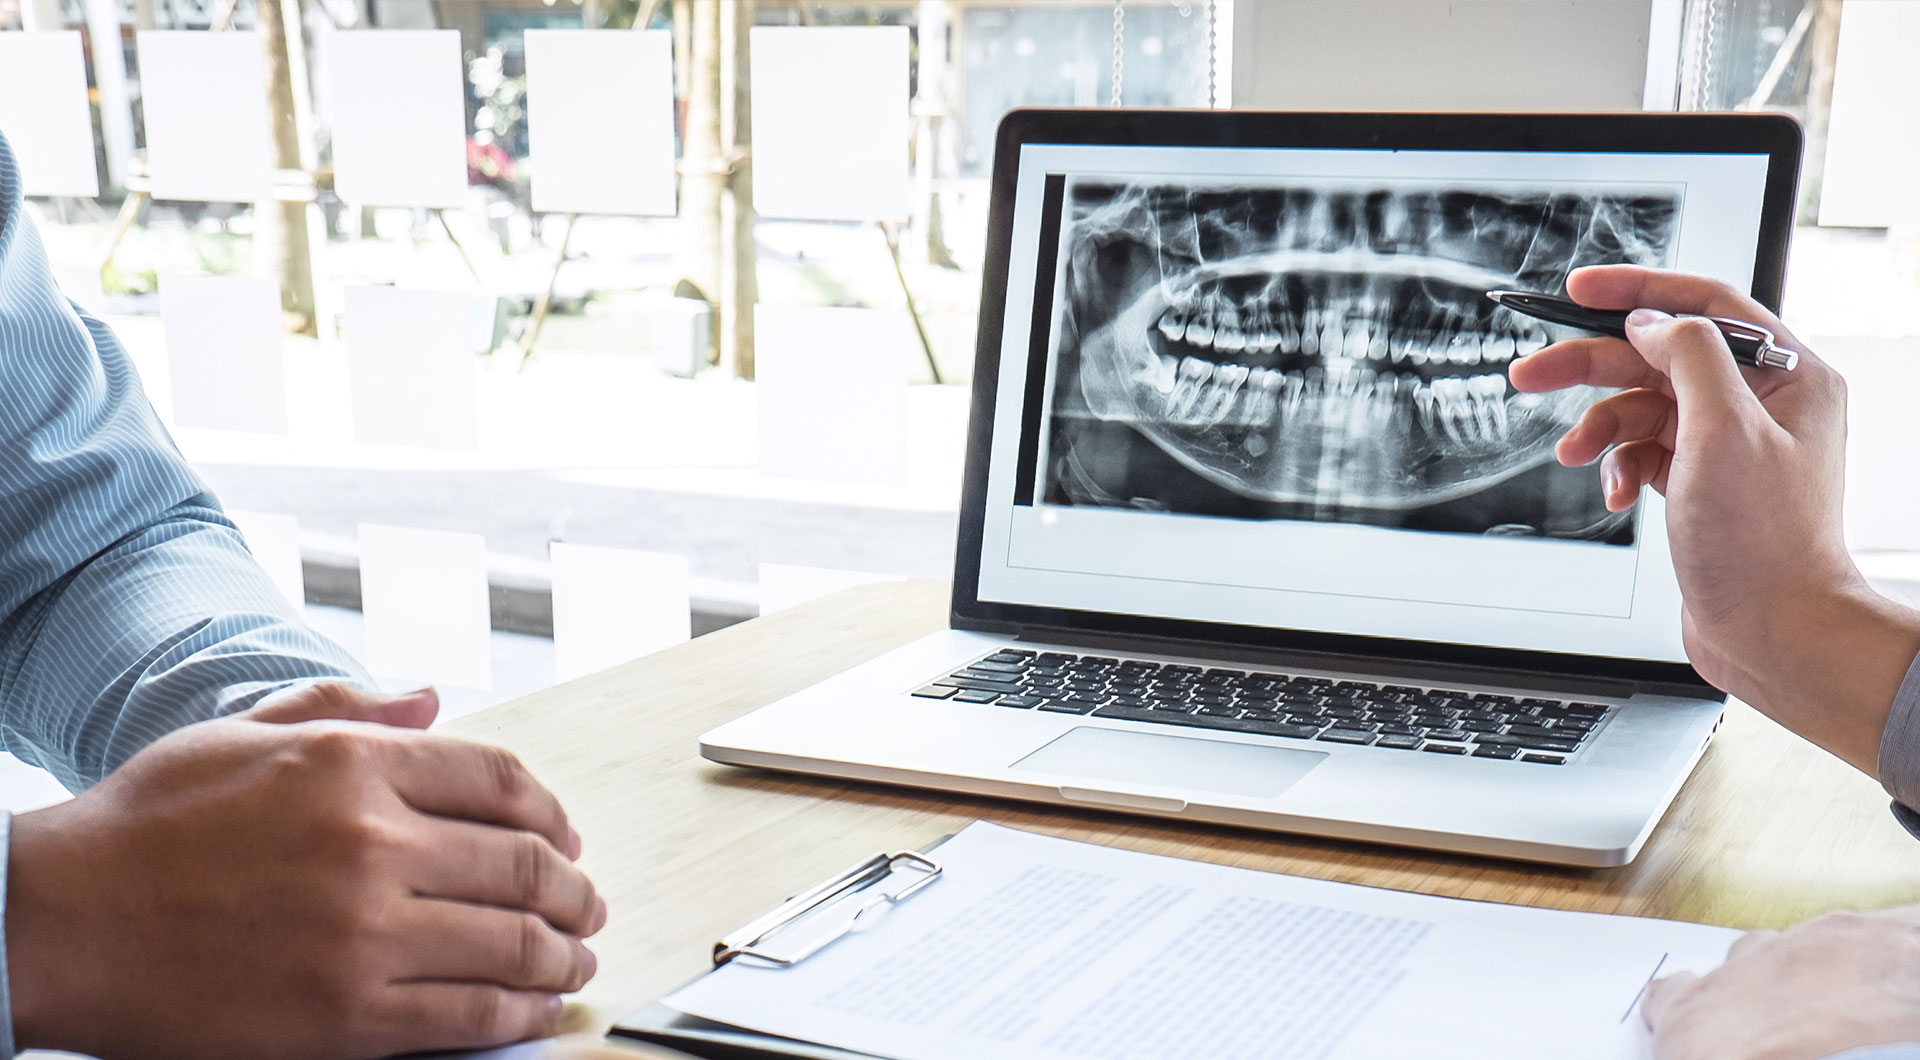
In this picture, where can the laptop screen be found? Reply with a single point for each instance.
(1264, 387)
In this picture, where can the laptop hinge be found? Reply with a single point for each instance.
(1409, 670)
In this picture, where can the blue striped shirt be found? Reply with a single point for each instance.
(129, 605)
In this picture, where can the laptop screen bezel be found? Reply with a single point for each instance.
(1776, 136)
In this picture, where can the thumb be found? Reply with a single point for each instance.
(336, 702)
(1660, 994)
(1691, 352)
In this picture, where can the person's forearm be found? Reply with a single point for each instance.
(171, 625)
(1830, 668)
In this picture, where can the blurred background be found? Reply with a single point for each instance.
(526, 336)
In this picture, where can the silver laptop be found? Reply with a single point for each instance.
(1254, 530)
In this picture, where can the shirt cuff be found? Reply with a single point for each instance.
(6, 996)
(1900, 750)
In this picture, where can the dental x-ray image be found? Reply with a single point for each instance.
(1327, 351)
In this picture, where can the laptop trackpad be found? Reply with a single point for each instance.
(1196, 764)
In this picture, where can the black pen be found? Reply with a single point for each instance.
(1751, 344)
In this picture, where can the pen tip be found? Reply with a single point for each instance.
(1495, 295)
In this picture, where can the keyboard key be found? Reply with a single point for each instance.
(1545, 760)
(1495, 751)
(1346, 736)
(1170, 706)
(1445, 749)
(1132, 701)
(1535, 743)
(976, 674)
(976, 697)
(1011, 654)
(1230, 674)
(1400, 743)
(999, 667)
(1055, 658)
(936, 692)
(1218, 710)
(1535, 730)
(977, 685)
(1068, 706)
(1024, 702)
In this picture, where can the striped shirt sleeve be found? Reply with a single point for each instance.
(129, 605)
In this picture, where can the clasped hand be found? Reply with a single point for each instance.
(299, 882)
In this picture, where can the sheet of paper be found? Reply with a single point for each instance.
(1873, 136)
(226, 364)
(1034, 947)
(204, 99)
(611, 605)
(832, 386)
(424, 595)
(580, 163)
(399, 117)
(851, 166)
(413, 373)
(44, 112)
(274, 541)
(783, 585)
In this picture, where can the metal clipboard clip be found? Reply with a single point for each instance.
(848, 898)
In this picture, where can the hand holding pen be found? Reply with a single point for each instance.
(1751, 463)
(1749, 343)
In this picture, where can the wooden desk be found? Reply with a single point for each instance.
(1769, 830)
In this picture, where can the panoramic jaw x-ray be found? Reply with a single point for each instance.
(1298, 351)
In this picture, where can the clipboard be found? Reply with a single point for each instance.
(786, 935)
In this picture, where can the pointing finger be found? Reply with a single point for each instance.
(1632, 286)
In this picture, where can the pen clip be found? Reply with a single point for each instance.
(1743, 329)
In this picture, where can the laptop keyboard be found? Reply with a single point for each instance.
(1397, 717)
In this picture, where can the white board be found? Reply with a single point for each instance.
(226, 364)
(274, 541)
(830, 122)
(399, 117)
(1872, 174)
(204, 97)
(424, 596)
(580, 162)
(832, 386)
(411, 368)
(44, 113)
(611, 605)
(784, 585)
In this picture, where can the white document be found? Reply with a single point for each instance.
(832, 386)
(1034, 947)
(44, 113)
(830, 122)
(225, 358)
(274, 541)
(204, 97)
(1873, 135)
(581, 164)
(611, 605)
(399, 117)
(783, 585)
(424, 595)
(412, 368)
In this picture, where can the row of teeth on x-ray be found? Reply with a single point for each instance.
(1466, 408)
(1226, 330)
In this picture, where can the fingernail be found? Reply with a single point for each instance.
(554, 1006)
(1640, 318)
(573, 843)
(591, 963)
(1613, 481)
(600, 913)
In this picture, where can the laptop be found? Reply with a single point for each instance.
(1254, 532)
